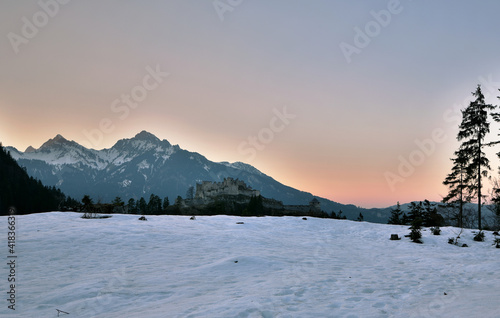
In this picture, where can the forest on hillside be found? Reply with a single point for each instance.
(22, 194)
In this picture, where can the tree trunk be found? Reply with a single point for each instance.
(460, 212)
(479, 183)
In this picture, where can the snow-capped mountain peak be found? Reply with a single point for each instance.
(143, 141)
(125, 150)
(59, 151)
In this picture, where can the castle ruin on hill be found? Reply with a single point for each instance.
(236, 192)
(229, 186)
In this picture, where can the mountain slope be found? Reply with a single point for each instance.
(23, 192)
(144, 164)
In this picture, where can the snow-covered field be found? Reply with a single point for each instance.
(171, 266)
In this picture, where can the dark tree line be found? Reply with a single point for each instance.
(422, 213)
(338, 215)
(24, 193)
(155, 205)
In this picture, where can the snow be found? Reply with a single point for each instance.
(58, 153)
(143, 165)
(144, 145)
(165, 154)
(242, 166)
(171, 266)
(113, 156)
(69, 155)
(125, 183)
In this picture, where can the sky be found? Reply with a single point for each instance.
(355, 101)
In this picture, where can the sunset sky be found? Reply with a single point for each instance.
(329, 97)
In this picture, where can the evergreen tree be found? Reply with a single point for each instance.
(431, 217)
(416, 234)
(472, 132)
(405, 220)
(416, 212)
(396, 215)
(166, 203)
(118, 202)
(88, 207)
(190, 193)
(178, 201)
(340, 216)
(132, 206)
(142, 206)
(360, 217)
(154, 204)
(70, 204)
(457, 183)
(87, 203)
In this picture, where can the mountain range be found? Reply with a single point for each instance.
(144, 164)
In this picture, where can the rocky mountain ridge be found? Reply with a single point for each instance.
(142, 165)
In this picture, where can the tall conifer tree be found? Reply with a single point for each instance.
(473, 130)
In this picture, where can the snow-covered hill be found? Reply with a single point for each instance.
(171, 266)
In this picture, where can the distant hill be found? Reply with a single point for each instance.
(24, 193)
